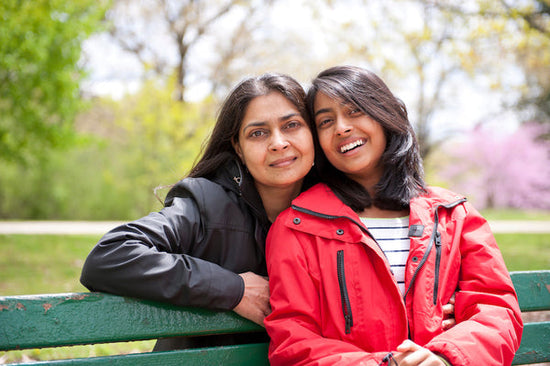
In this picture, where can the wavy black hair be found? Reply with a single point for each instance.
(403, 176)
(219, 149)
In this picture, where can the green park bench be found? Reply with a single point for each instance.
(86, 318)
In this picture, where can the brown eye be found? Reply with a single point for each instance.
(323, 122)
(292, 124)
(257, 133)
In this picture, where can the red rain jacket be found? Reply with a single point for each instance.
(336, 302)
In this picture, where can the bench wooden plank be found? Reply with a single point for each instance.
(535, 344)
(533, 289)
(83, 318)
(241, 355)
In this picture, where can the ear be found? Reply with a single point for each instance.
(238, 150)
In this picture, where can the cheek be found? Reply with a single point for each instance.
(324, 142)
(250, 155)
(307, 143)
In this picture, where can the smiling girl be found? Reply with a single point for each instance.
(360, 266)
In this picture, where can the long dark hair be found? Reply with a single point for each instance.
(219, 149)
(403, 172)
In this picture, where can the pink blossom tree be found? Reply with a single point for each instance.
(499, 171)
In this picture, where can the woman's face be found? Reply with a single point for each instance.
(275, 142)
(351, 140)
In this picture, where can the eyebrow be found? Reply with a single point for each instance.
(290, 115)
(324, 110)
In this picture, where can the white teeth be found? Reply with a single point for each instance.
(351, 145)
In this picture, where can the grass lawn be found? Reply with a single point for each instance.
(525, 252)
(37, 264)
(514, 214)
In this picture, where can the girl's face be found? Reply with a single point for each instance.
(351, 140)
(275, 142)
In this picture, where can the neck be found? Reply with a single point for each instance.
(378, 213)
(276, 200)
(368, 182)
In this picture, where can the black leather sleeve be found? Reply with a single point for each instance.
(153, 258)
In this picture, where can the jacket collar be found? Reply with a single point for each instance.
(321, 200)
(234, 177)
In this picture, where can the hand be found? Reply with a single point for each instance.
(255, 302)
(449, 319)
(411, 354)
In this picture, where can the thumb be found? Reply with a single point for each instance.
(407, 346)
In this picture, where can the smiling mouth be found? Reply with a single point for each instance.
(283, 162)
(351, 146)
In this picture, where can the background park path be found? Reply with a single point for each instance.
(101, 227)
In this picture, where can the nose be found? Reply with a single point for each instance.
(343, 126)
(278, 142)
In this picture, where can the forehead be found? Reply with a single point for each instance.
(325, 101)
(268, 107)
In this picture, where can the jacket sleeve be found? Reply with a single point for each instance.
(295, 323)
(151, 258)
(489, 324)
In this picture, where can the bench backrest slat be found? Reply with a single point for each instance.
(533, 289)
(535, 344)
(82, 318)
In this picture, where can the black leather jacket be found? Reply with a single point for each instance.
(191, 252)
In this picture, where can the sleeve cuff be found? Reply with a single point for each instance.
(447, 363)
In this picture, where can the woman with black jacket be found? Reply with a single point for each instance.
(206, 246)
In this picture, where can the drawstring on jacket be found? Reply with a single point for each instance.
(388, 359)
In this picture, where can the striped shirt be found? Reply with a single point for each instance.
(393, 237)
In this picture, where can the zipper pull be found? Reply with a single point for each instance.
(438, 238)
(349, 323)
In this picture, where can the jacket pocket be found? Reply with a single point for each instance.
(346, 306)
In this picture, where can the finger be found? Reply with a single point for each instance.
(448, 309)
(416, 357)
(408, 346)
(448, 323)
(452, 299)
(266, 310)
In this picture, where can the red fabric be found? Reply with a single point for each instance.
(307, 325)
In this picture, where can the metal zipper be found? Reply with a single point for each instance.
(346, 306)
(434, 238)
(437, 263)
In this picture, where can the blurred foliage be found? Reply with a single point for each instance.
(505, 33)
(161, 137)
(40, 44)
(116, 152)
(145, 140)
(501, 171)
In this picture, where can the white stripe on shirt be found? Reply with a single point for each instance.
(393, 237)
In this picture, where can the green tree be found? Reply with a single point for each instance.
(159, 138)
(516, 32)
(180, 28)
(40, 44)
